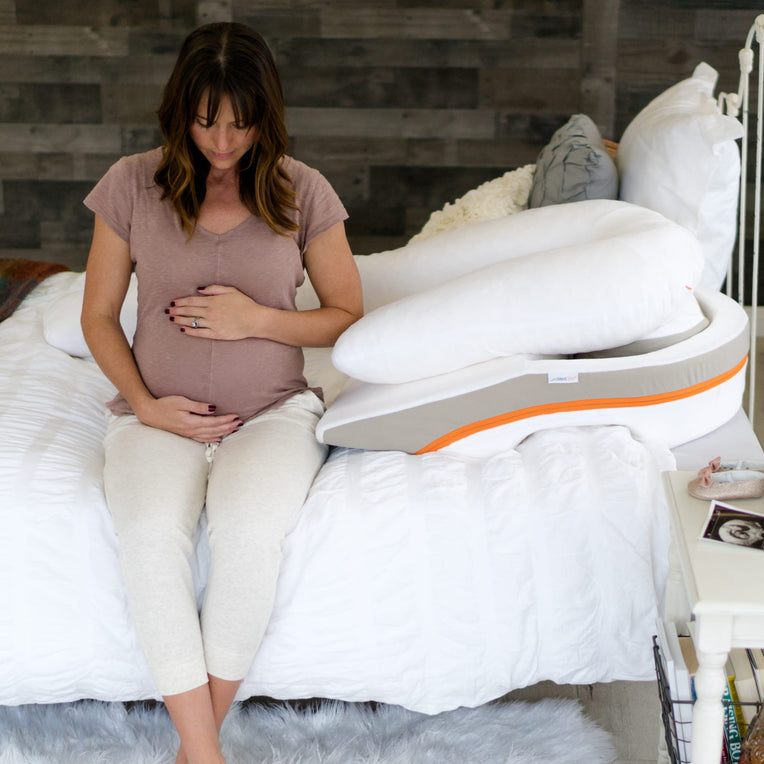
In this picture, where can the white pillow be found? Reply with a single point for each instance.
(679, 157)
(569, 278)
(396, 273)
(61, 320)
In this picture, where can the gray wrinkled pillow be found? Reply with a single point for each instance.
(574, 166)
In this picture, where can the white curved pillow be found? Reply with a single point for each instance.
(387, 276)
(61, 320)
(561, 279)
(679, 156)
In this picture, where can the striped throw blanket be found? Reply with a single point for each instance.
(18, 277)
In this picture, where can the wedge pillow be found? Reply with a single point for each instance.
(674, 390)
(574, 166)
(679, 157)
(561, 279)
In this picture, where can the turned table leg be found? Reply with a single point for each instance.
(708, 712)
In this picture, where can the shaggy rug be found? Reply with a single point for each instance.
(310, 733)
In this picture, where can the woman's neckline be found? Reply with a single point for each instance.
(226, 232)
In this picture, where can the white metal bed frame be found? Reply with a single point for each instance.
(733, 103)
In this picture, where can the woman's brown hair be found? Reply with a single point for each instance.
(226, 59)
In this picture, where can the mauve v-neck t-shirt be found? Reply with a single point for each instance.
(244, 377)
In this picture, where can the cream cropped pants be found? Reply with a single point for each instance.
(254, 484)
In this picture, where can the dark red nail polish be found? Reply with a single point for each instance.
(172, 304)
(183, 329)
(204, 287)
(212, 407)
(172, 318)
(166, 310)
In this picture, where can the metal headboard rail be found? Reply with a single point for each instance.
(734, 103)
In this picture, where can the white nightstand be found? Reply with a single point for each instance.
(725, 592)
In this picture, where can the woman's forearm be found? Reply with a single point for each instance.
(112, 353)
(305, 328)
(224, 313)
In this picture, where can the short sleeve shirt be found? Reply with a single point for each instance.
(244, 377)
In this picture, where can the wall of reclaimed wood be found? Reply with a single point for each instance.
(403, 104)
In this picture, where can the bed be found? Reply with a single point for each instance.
(498, 550)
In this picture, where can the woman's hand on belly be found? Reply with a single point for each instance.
(218, 313)
(188, 418)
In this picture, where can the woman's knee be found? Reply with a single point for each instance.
(153, 539)
(248, 541)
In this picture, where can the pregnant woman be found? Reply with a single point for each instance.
(212, 406)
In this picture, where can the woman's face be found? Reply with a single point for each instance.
(741, 532)
(223, 142)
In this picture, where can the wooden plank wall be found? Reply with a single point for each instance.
(403, 104)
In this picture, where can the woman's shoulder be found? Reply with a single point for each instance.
(300, 173)
(306, 180)
(128, 179)
(294, 167)
(140, 167)
(319, 205)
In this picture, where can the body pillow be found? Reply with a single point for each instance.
(571, 278)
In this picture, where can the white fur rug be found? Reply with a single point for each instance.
(326, 733)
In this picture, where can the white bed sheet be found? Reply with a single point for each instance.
(733, 440)
(461, 580)
(427, 581)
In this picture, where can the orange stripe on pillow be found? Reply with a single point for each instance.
(580, 405)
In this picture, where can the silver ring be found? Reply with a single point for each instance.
(195, 323)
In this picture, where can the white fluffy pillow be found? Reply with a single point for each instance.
(61, 320)
(679, 157)
(564, 279)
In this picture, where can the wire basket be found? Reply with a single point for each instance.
(678, 734)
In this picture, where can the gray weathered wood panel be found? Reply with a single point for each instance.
(403, 104)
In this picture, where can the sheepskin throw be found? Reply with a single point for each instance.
(493, 199)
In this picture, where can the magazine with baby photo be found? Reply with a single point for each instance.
(731, 525)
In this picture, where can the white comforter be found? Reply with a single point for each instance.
(427, 581)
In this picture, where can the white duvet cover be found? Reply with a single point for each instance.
(427, 581)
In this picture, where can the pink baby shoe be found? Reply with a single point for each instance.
(741, 479)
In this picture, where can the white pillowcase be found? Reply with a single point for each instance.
(679, 157)
(569, 278)
(61, 320)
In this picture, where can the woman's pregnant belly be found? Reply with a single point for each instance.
(243, 377)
